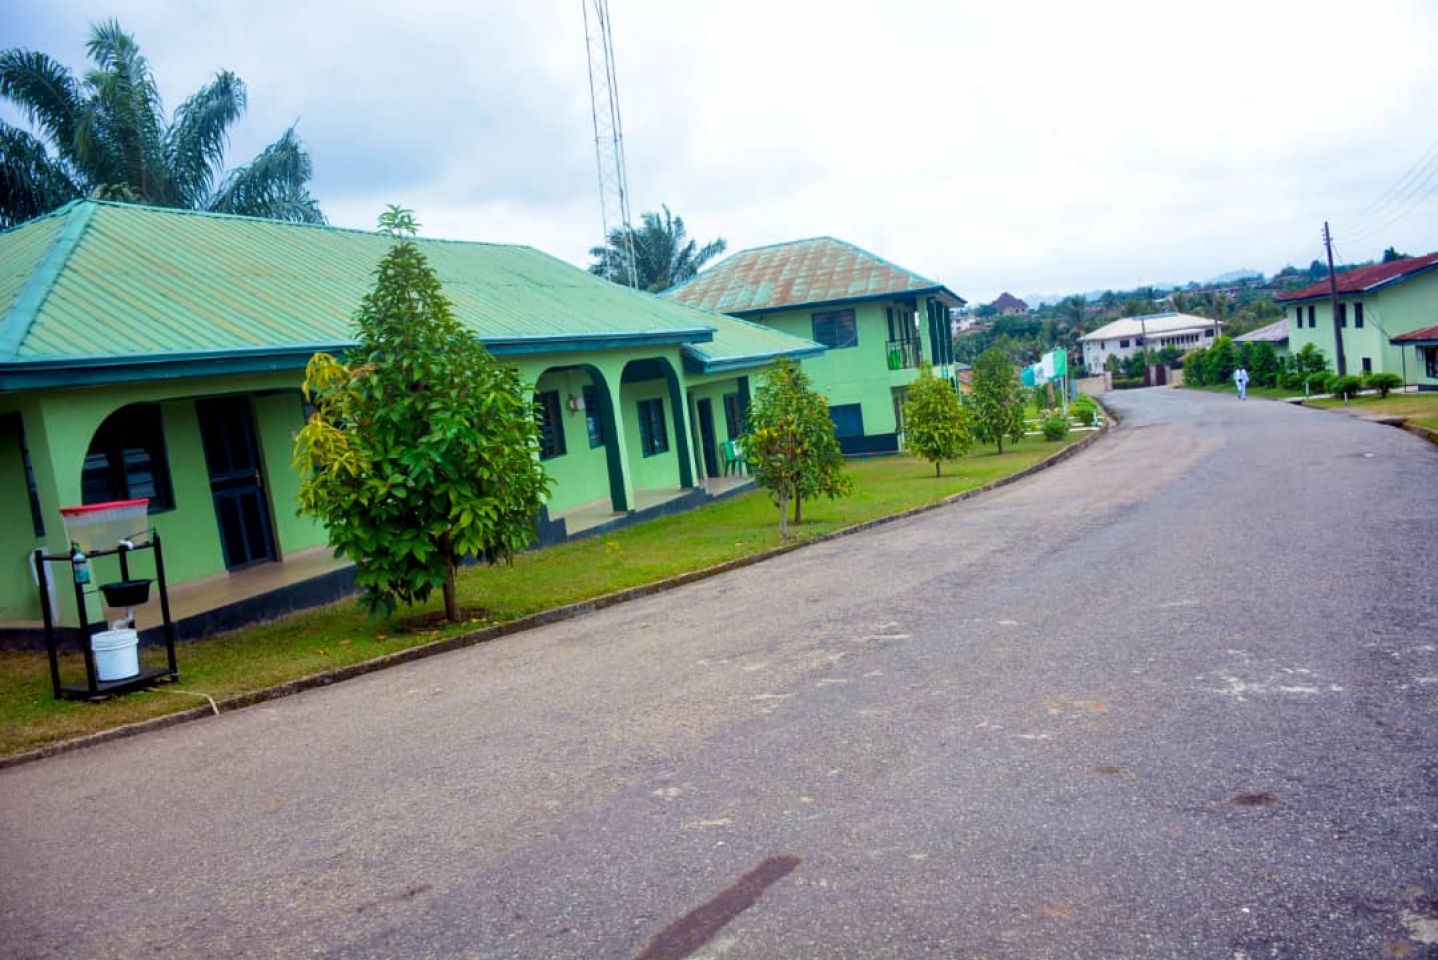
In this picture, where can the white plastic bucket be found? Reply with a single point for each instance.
(117, 654)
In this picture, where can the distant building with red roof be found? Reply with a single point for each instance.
(1387, 313)
(1008, 305)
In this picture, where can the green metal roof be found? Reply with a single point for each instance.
(739, 343)
(121, 291)
(820, 270)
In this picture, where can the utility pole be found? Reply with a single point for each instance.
(1339, 360)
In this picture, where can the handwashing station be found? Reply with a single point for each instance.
(110, 535)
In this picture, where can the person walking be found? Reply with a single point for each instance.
(1240, 380)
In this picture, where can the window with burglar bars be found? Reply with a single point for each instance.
(551, 427)
(653, 437)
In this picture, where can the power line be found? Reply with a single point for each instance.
(1428, 158)
(1399, 200)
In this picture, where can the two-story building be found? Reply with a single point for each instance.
(880, 323)
(1377, 305)
(1126, 336)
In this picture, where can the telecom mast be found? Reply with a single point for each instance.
(608, 134)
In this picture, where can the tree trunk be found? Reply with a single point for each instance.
(783, 513)
(451, 599)
(938, 468)
(798, 508)
(1001, 444)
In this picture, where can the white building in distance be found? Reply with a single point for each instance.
(1124, 337)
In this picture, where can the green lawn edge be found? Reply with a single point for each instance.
(318, 647)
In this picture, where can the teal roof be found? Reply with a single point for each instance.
(802, 273)
(739, 343)
(114, 288)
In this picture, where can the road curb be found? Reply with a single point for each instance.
(543, 618)
(1402, 424)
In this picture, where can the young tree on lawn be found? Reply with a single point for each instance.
(421, 449)
(997, 399)
(936, 424)
(790, 445)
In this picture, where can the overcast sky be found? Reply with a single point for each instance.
(1037, 147)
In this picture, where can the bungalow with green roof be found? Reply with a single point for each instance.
(1378, 305)
(158, 353)
(880, 323)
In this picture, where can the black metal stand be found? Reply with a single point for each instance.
(95, 689)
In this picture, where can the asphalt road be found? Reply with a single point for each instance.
(1177, 697)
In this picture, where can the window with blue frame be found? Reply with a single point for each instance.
(551, 427)
(836, 329)
(653, 435)
(592, 418)
(126, 459)
(848, 420)
(733, 414)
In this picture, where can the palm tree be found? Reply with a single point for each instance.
(111, 140)
(664, 256)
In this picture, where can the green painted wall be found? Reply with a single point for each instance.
(1402, 307)
(17, 536)
(661, 470)
(59, 425)
(713, 391)
(278, 417)
(581, 473)
(858, 374)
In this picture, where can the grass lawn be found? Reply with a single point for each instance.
(1419, 408)
(319, 640)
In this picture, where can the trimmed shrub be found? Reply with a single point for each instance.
(1318, 382)
(1085, 413)
(1346, 387)
(1054, 425)
(1127, 383)
(1383, 383)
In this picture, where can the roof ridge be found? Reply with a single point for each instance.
(268, 221)
(15, 325)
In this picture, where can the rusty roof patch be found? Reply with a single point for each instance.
(801, 273)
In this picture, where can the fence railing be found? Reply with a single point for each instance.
(904, 354)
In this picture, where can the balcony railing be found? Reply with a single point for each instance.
(904, 354)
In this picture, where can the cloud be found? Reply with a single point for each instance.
(1005, 144)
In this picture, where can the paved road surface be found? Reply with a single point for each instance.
(1175, 698)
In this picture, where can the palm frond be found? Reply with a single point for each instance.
(274, 185)
(46, 92)
(120, 133)
(195, 142)
(31, 181)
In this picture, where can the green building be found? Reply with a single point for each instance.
(880, 323)
(1378, 306)
(159, 353)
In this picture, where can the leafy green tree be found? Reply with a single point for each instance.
(111, 140)
(1263, 365)
(789, 442)
(1391, 254)
(422, 449)
(997, 399)
(1193, 370)
(936, 423)
(1219, 361)
(1310, 359)
(664, 256)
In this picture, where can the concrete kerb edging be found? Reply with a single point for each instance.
(1430, 435)
(544, 617)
